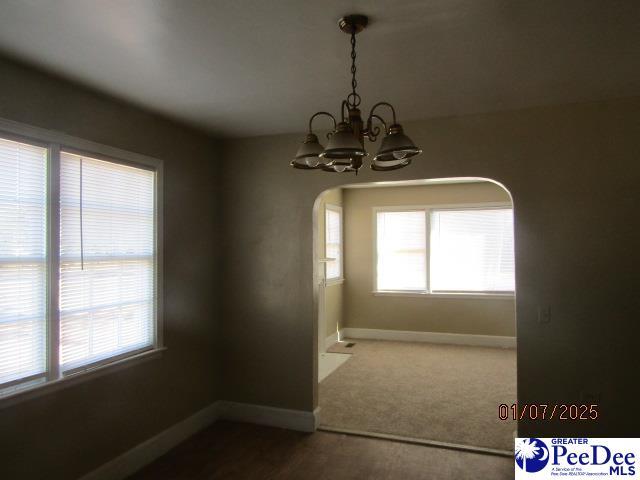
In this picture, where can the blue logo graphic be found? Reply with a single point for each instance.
(532, 455)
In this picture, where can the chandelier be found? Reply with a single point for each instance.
(345, 150)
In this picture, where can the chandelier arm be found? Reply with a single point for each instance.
(317, 114)
(373, 132)
(393, 110)
(345, 103)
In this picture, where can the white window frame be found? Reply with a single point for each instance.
(338, 209)
(427, 212)
(55, 142)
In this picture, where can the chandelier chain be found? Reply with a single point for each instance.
(354, 98)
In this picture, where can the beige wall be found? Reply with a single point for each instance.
(573, 172)
(333, 300)
(64, 434)
(362, 309)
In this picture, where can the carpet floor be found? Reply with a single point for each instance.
(446, 393)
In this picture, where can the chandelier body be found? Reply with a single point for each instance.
(345, 150)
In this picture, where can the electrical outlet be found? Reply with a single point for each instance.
(544, 315)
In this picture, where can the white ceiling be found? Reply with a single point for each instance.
(250, 67)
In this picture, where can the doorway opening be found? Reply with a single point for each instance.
(416, 312)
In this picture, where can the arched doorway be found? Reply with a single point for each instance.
(421, 291)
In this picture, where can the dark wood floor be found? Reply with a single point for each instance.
(229, 450)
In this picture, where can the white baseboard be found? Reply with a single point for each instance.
(432, 337)
(330, 340)
(274, 417)
(146, 452)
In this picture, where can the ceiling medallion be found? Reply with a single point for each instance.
(345, 150)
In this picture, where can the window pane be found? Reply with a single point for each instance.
(333, 238)
(401, 251)
(107, 264)
(23, 271)
(472, 250)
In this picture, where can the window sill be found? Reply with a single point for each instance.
(334, 281)
(450, 296)
(64, 382)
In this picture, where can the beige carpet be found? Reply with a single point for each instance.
(447, 393)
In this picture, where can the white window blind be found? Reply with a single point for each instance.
(472, 250)
(333, 241)
(23, 265)
(401, 251)
(107, 260)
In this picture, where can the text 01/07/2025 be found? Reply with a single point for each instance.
(543, 411)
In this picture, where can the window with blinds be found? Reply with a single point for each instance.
(401, 251)
(430, 250)
(23, 262)
(107, 259)
(472, 250)
(79, 281)
(333, 242)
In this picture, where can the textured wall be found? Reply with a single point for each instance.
(64, 434)
(362, 309)
(573, 172)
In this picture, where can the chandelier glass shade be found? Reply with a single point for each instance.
(343, 144)
(308, 155)
(345, 148)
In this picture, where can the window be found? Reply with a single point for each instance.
(454, 250)
(23, 262)
(78, 259)
(106, 259)
(402, 251)
(472, 250)
(333, 242)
